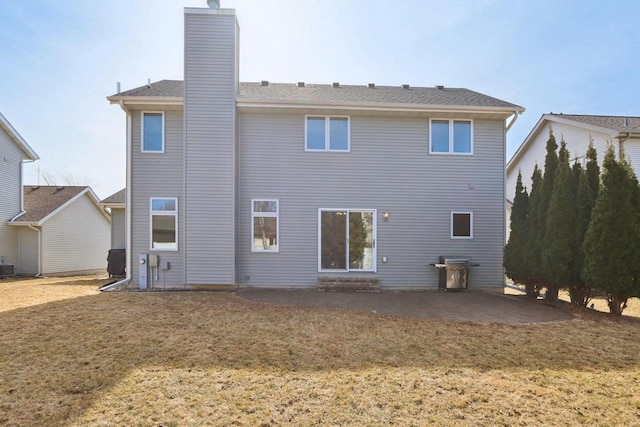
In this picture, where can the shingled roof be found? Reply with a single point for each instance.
(41, 201)
(617, 123)
(116, 198)
(335, 94)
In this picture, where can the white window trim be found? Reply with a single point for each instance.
(375, 242)
(450, 152)
(142, 150)
(165, 213)
(275, 215)
(470, 213)
(327, 133)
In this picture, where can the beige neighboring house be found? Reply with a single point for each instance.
(63, 231)
(14, 151)
(623, 132)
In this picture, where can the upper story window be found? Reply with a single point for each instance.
(462, 225)
(327, 133)
(152, 132)
(164, 224)
(451, 136)
(265, 216)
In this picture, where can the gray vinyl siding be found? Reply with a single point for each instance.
(10, 196)
(210, 134)
(27, 251)
(118, 231)
(76, 239)
(389, 169)
(158, 176)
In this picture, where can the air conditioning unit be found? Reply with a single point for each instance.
(7, 270)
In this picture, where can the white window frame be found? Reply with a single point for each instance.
(375, 243)
(173, 213)
(142, 150)
(275, 215)
(327, 133)
(451, 122)
(470, 213)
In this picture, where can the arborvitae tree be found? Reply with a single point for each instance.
(536, 219)
(579, 291)
(546, 191)
(612, 242)
(593, 170)
(560, 244)
(515, 252)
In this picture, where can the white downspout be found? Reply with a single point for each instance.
(37, 230)
(127, 209)
(511, 123)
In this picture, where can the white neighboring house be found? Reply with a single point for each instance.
(14, 151)
(577, 131)
(63, 231)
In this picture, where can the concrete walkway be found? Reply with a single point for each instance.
(472, 305)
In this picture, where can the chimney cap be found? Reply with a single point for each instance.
(213, 4)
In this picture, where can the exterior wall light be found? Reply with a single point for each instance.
(385, 216)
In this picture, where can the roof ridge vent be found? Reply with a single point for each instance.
(405, 86)
(372, 85)
(336, 84)
(264, 83)
(300, 84)
(440, 87)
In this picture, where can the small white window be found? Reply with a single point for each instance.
(462, 225)
(152, 132)
(164, 224)
(327, 133)
(451, 136)
(265, 218)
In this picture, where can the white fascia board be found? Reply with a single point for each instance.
(525, 144)
(465, 109)
(13, 134)
(146, 100)
(595, 128)
(93, 198)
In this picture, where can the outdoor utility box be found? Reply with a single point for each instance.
(454, 273)
(116, 262)
(7, 270)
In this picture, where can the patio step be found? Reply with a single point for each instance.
(348, 284)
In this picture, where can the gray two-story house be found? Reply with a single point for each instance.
(270, 184)
(14, 151)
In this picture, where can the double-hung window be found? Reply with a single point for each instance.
(265, 218)
(347, 240)
(327, 133)
(152, 132)
(462, 225)
(451, 136)
(164, 224)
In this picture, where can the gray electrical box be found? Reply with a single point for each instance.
(142, 271)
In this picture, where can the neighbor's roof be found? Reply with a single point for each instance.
(618, 123)
(328, 94)
(116, 198)
(42, 202)
(15, 136)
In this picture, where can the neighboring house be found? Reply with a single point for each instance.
(577, 131)
(116, 205)
(64, 230)
(14, 151)
(262, 184)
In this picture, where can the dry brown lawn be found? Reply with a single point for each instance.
(200, 358)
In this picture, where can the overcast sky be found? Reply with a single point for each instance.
(59, 60)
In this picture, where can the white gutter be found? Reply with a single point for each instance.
(37, 230)
(515, 117)
(127, 224)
